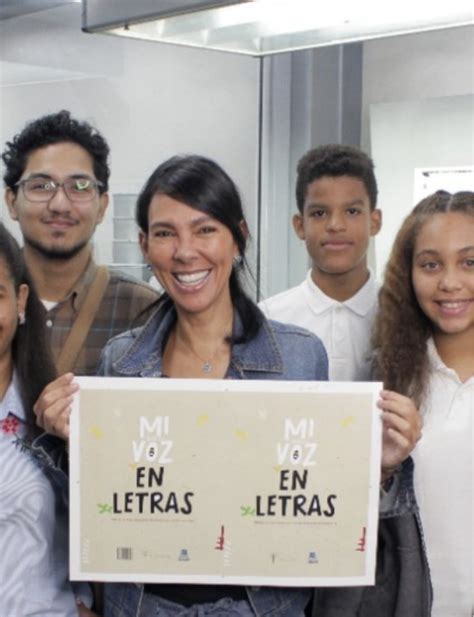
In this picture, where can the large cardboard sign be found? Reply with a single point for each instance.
(232, 482)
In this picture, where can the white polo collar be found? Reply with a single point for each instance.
(360, 303)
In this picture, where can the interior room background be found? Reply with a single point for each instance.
(407, 100)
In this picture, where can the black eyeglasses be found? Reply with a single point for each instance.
(43, 189)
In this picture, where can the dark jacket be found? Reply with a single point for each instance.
(403, 586)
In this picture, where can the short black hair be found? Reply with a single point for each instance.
(335, 160)
(52, 129)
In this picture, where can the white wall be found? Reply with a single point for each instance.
(153, 100)
(430, 133)
(149, 100)
(418, 110)
(418, 66)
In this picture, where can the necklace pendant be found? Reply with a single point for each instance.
(206, 367)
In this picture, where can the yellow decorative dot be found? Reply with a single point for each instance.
(240, 434)
(346, 421)
(202, 419)
(96, 432)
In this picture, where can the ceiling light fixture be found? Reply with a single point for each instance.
(261, 27)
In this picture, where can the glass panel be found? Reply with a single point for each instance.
(125, 229)
(137, 271)
(127, 252)
(124, 205)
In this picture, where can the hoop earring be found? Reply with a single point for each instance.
(21, 319)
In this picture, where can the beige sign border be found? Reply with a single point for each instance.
(201, 386)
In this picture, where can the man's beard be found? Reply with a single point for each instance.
(55, 252)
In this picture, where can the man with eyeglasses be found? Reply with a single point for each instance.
(56, 182)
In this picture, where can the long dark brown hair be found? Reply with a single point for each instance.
(32, 358)
(401, 328)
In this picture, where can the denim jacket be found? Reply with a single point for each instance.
(51, 455)
(278, 351)
(287, 352)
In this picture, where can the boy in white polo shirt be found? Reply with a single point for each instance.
(336, 195)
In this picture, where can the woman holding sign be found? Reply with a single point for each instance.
(194, 235)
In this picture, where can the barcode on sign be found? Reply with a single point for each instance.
(124, 553)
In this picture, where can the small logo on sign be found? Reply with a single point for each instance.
(183, 555)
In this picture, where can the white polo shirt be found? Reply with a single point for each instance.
(344, 327)
(444, 489)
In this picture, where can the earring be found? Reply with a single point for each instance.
(21, 319)
(237, 261)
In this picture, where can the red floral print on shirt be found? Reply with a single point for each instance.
(9, 425)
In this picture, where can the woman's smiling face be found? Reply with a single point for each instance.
(191, 254)
(443, 272)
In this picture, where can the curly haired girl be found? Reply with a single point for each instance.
(424, 340)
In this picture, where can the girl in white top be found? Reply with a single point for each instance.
(33, 521)
(424, 339)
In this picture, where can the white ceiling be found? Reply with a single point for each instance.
(47, 45)
(14, 8)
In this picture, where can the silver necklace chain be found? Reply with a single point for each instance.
(207, 366)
